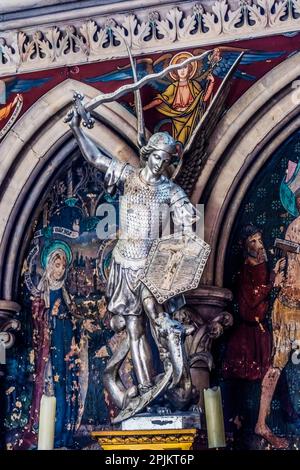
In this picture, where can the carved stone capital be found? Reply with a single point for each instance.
(8, 324)
(208, 300)
(206, 312)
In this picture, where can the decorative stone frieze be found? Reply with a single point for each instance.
(163, 27)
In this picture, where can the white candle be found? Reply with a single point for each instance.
(214, 417)
(47, 423)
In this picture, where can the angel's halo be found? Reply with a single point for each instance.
(180, 57)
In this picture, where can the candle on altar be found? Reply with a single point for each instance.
(47, 423)
(214, 417)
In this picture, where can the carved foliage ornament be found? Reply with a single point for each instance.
(102, 38)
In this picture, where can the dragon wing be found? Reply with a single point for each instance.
(195, 152)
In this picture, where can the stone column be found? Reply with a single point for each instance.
(206, 310)
(8, 325)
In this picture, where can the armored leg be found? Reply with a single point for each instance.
(169, 335)
(140, 351)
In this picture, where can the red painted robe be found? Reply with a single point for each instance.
(249, 348)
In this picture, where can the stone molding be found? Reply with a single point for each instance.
(53, 42)
(34, 150)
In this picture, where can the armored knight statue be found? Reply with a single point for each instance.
(144, 191)
(141, 256)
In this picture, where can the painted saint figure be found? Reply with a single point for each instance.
(184, 100)
(248, 351)
(286, 326)
(249, 348)
(55, 348)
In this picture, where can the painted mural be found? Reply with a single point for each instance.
(165, 108)
(184, 95)
(11, 99)
(66, 341)
(265, 336)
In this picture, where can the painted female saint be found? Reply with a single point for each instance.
(184, 100)
(55, 348)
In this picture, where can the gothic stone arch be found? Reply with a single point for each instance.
(34, 151)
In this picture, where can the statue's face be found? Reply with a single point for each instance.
(158, 161)
(255, 248)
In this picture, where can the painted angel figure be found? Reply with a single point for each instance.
(130, 302)
(184, 99)
(184, 95)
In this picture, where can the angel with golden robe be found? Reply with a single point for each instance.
(183, 100)
(184, 95)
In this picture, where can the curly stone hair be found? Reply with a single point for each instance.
(160, 141)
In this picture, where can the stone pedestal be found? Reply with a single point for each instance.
(206, 310)
(147, 431)
(178, 420)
